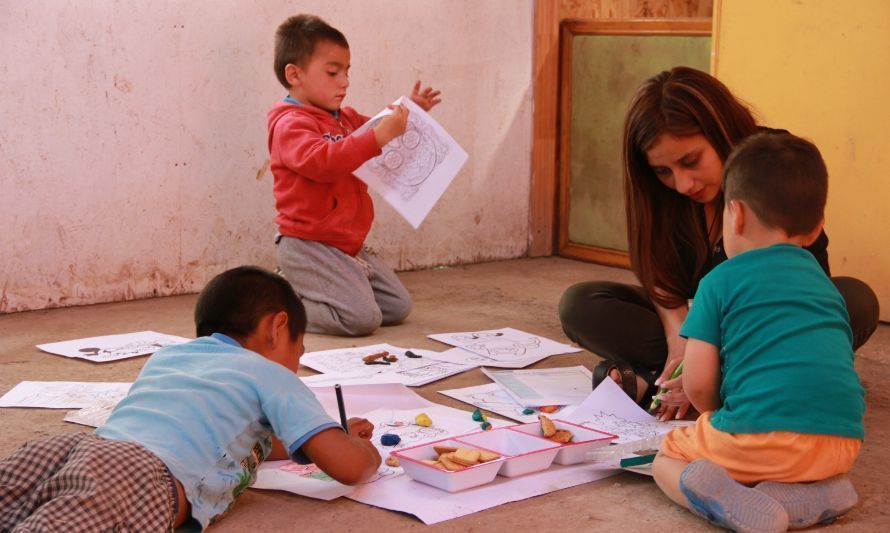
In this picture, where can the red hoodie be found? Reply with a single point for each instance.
(313, 157)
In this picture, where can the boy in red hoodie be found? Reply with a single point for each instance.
(324, 211)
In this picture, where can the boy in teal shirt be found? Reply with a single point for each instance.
(769, 358)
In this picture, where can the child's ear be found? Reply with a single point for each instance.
(292, 74)
(280, 329)
(738, 213)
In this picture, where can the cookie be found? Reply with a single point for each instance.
(547, 426)
(465, 456)
(562, 436)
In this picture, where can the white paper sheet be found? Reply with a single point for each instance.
(345, 365)
(360, 399)
(63, 394)
(505, 344)
(609, 409)
(432, 505)
(305, 480)
(93, 416)
(112, 347)
(492, 397)
(415, 168)
(546, 386)
(461, 356)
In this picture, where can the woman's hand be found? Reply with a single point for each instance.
(426, 98)
(673, 401)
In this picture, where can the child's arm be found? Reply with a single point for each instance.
(302, 148)
(701, 375)
(350, 459)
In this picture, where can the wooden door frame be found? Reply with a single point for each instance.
(568, 30)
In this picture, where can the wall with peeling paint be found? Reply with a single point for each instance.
(131, 135)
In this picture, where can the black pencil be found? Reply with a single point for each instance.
(341, 407)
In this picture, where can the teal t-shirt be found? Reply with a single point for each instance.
(785, 345)
(208, 409)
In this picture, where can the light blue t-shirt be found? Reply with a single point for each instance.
(208, 409)
(785, 343)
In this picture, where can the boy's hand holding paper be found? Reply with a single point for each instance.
(417, 166)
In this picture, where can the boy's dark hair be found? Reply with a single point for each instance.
(782, 178)
(234, 302)
(296, 38)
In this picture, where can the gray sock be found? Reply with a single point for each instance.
(808, 504)
(714, 495)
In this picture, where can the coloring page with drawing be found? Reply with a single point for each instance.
(414, 169)
(609, 409)
(505, 344)
(64, 394)
(377, 363)
(492, 397)
(112, 347)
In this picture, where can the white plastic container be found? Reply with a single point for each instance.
(524, 453)
(411, 460)
(584, 440)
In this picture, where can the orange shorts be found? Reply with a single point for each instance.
(754, 457)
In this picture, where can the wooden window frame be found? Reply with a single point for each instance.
(568, 30)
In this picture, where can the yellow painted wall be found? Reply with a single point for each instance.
(821, 69)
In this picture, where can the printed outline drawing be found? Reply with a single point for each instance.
(410, 159)
(495, 345)
(130, 349)
(628, 430)
(76, 394)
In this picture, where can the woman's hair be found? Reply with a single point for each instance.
(666, 231)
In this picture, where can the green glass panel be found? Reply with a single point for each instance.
(606, 70)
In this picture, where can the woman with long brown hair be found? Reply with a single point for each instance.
(680, 128)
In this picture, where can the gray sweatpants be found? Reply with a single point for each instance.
(343, 295)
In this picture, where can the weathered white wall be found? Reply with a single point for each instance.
(132, 132)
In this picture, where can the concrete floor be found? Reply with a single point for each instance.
(522, 294)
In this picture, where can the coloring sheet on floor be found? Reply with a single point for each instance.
(361, 398)
(609, 409)
(368, 364)
(63, 394)
(112, 347)
(414, 169)
(505, 344)
(546, 386)
(492, 397)
(466, 357)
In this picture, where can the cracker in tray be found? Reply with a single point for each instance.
(548, 428)
(457, 459)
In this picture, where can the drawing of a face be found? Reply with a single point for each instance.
(409, 160)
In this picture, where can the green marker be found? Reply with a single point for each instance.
(655, 401)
